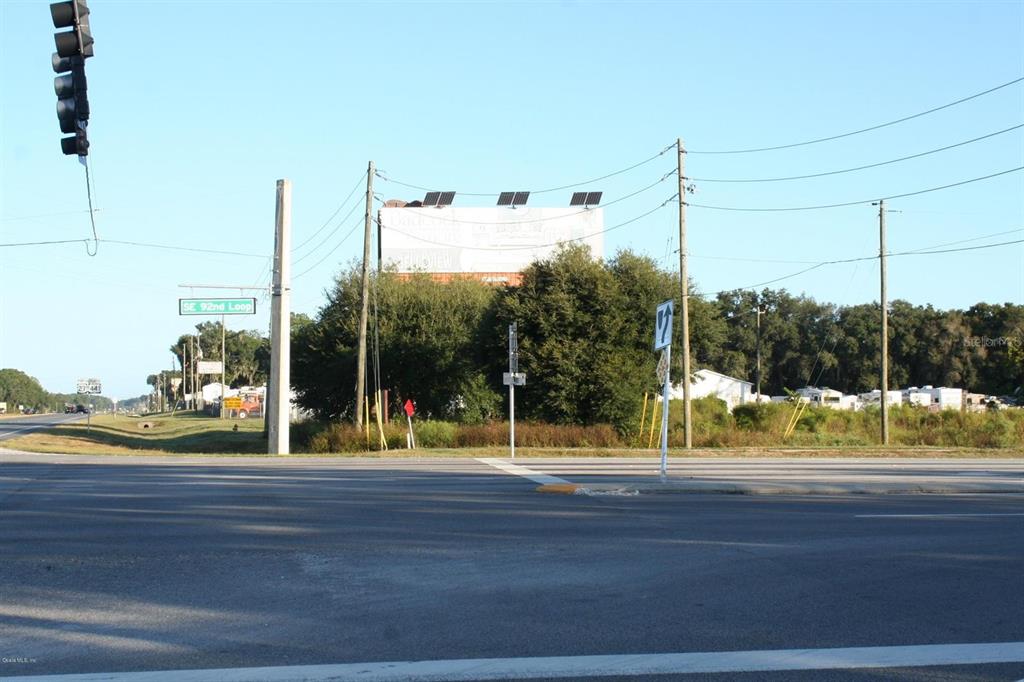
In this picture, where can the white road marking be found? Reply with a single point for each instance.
(535, 476)
(7, 434)
(584, 666)
(927, 516)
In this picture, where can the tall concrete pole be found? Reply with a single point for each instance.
(885, 324)
(223, 365)
(280, 324)
(365, 307)
(757, 373)
(684, 291)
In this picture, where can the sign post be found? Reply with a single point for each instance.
(512, 378)
(409, 410)
(663, 340)
(89, 387)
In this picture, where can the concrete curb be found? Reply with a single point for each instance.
(726, 488)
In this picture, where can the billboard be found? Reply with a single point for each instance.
(488, 239)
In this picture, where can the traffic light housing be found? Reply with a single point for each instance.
(71, 88)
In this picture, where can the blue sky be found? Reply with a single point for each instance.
(199, 107)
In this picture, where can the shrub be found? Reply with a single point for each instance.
(434, 434)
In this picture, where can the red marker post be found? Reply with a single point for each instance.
(409, 410)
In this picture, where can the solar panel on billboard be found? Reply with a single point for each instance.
(578, 199)
(505, 198)
(446, 199)
(431, 198)
(520, 198)
(593, 198)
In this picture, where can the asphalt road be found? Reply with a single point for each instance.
(14, 427)
(122, 565)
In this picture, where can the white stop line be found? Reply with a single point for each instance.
(584, 666)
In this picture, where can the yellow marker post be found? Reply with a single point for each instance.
(643, 417)
(654, 414)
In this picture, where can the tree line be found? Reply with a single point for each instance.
(586, 335)
(18, 388)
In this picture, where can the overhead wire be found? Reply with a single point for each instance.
(383, 176)
(854, 203)
(814, 262)
(182, 248)
(855, 260)
(341, 223)
(858, 168)
(336, 247)
(327, 222)
(862, 130)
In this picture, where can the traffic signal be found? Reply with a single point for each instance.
(73, 47)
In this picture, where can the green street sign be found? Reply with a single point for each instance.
(216, 306)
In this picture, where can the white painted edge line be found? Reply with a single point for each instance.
(584, 666)
(928, 516)
(535, 476)
(8, 434)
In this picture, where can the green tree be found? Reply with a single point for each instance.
(18, 388)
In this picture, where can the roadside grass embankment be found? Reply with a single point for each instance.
(180, 433)
(750, 431)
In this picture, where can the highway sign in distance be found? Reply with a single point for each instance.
(90, 386)
(234, 403)
(410, 409)
(216, 306)
(663, 325)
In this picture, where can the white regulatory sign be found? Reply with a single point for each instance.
(90, 386)
(663, 325)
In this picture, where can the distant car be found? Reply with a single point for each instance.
(69, 409)
(83, 409)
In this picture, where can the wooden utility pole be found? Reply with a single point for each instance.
(280, 325)
(365, 306)
(885, 324)
(684, 290)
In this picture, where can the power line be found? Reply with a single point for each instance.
(814, 262)
(181, 248)
(973, 239)
(860, 168)
(47, 243)
(44, 215)
(328, 237)
(549, 218)
(336, 212)
(855, 203)
(862, 130)
(382, 176)
(328, 254)
(855, 260)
